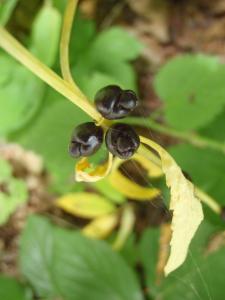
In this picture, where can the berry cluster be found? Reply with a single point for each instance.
(121, 139)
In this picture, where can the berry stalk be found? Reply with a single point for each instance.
(21, 54)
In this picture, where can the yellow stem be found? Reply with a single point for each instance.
(15, 49)
(64, 45)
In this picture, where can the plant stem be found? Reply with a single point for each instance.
(15, 49)
(64, 45)
(189, 137)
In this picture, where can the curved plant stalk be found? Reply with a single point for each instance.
(21, 54)
(64, 45)
(126, 226)
(189, 137)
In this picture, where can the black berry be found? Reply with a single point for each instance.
(114, 103)
(122, 140)
(86, 140)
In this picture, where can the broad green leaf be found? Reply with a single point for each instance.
(115, 43)
(49, 135)
(86, 205)
(20, 95)
(215, 129)
(148, 255)
(104, 59)
(45, 34)
(83, 33)
(10, 289)
(21, 92)
(6, 9)
(95, 82)
(63, 263)
(192, 89)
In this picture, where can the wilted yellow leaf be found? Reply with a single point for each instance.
(101, 227)
(85, 205)
(187, 209)
(83, 172)
(131, 189)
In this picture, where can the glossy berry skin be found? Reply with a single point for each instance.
(122, 140)
(114, 103)
(86, 140)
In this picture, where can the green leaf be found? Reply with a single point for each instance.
(20, 95)
(10, 289)
(192, 88)
(83, 33)
(6, 9)
(9, 201)
(200, 276)
(117, 44)
(215, 129)
(6, 170)
(62, 263)
(49, 135)
(45, 34)
(104, 59)
(148, 254)
(206, 168)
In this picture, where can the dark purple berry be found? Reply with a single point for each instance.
(86, 140)
(122, 140)
(114, 103)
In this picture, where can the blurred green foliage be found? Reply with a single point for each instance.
(62, 263)
(14, 191)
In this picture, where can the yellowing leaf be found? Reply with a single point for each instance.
(101, 227)
(153, 169)
(85, 205)
(131, 189)
(83, 172)
(187, 209)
